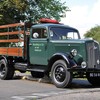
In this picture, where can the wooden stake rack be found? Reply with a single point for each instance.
(10, 38)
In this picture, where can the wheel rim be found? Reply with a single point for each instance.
(2, 70)
(59, 73)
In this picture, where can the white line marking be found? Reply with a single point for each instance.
(23, 97)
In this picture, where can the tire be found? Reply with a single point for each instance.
(94, 80)
(37, 74)
(60, 76)
(6, 72)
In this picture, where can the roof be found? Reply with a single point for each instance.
(53, 25)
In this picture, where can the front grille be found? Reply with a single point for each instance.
(97, 54)
(92, 54)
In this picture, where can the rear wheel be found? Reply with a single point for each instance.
(60, 76)
(93, 78)
(6, 72)
(37, 74)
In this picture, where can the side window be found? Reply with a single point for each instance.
(39, 33)
(72, 35)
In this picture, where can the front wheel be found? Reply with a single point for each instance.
(60, 76)
(6, 72)
(93, 78)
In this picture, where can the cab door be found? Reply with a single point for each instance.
(38, 46)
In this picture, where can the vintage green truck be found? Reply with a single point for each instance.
(48, 48)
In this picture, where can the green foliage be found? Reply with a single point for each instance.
(12, 11)
(94, 33)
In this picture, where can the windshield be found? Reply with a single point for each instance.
(59, 33)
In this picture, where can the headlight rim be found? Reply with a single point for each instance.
(74, 52)
(83, 64)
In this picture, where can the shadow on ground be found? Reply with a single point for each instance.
(76, 83)
(80, 83)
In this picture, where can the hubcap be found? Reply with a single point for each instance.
(60, 73)
(2, 70)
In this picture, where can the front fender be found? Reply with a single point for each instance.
(79, 59)
(61, 55)
(70, 62)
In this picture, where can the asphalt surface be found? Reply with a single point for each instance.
(23, 87)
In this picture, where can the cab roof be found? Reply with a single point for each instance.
(53, 25)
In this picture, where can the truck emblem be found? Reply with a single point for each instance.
(95, 47)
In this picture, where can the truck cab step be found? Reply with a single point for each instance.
(21, 66)
(36, 70)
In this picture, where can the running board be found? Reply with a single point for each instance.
(25, 67)
(36, 70)
(21, 66)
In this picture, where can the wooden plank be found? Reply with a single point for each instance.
(14, 51)
(11, 40)
(11, 33)
(11, 25)
(20, 51)
(3, 51)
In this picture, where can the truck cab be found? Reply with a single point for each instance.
(55, 50)
(47, 39)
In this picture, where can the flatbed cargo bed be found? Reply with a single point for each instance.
(11, 42)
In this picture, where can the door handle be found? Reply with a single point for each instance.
(30, 44)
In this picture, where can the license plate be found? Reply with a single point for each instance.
(94, 74)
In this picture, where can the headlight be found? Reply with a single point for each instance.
(83, 64)
(74, 52)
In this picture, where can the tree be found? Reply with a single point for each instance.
(12, 11)
(94, 33)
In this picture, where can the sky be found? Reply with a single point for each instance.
(84, 14)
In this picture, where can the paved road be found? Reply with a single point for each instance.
(21, 89)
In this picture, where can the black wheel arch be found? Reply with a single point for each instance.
(3, 57)
(58, 56)
(8, 60)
